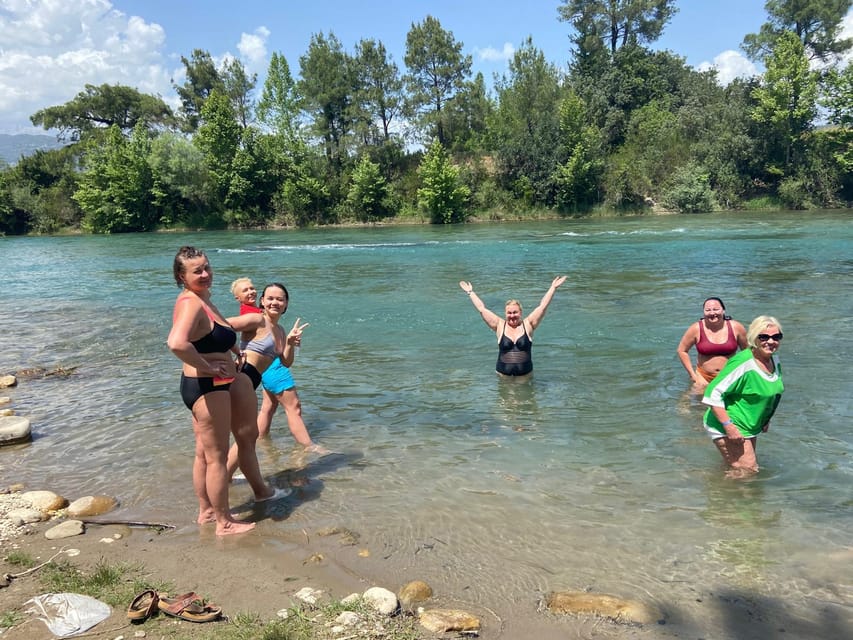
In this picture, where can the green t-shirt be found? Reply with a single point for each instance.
(748, 393)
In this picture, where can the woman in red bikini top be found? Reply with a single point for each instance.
(716, 337)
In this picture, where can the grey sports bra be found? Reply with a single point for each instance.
(264, 346)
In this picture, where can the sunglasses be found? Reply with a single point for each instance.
(764, 337)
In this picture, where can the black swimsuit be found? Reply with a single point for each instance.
(515, 358)
(220, 339)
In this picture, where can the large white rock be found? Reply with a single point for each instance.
(14, 429)
(26, 516)
(381, 600)
(65, 529)
(44, 500)
(91, 506)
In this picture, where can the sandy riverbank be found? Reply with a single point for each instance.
(255, 573)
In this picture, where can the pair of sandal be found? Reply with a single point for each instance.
(188, 606)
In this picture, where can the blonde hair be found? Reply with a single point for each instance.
(237, 283)
(515, 302)
(758, 326)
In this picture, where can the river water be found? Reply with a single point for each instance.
(594, 475)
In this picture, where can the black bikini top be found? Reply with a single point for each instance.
(220, 339)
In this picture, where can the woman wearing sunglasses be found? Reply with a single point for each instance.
(744, 396)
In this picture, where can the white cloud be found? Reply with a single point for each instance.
(490, 54)
(729, 65)
(53, 48)
(253, 47)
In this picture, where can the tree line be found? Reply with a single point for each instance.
(356, 138)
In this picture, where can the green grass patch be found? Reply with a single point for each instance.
(10, 619)
(761, 203)
(117, 584)
(20, 559)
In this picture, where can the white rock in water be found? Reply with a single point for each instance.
(14, 429)
(91, 506)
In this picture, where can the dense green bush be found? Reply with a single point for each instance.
(690, 191)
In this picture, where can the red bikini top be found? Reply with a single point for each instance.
(708, 348)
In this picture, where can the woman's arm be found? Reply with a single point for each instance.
(184, 319)
(683, 351)
(246, 322)
(489, 317)
(291, 341)
(538, 313)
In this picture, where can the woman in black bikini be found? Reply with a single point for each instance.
(514, 334)
(204, 342)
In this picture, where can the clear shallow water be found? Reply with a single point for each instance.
(595, 475)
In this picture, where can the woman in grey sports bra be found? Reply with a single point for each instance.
(268, 345)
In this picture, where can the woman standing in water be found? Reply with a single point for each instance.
(204, 342)
(269, 354)
(716, 337)
(514, 334)
(744, 396)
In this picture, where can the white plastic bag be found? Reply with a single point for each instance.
(68, 614)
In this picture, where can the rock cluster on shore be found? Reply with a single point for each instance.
(19, 510)
(17, 429)
(13, 429)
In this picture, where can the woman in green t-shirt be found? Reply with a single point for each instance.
(744, 396)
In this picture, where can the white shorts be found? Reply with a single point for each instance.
(715, 435)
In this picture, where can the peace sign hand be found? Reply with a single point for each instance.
(295, 335)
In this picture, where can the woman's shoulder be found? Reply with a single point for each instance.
(187, 302)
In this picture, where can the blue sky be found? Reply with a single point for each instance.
(49, 49)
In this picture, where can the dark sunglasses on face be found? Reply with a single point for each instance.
(764, 337)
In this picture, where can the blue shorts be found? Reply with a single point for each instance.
(277, 378)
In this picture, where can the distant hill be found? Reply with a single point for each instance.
(12, 147)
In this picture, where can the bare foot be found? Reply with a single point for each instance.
(230, 527)
(205, 516)
(736, 473)
(268, 493)
(318, 449)
(277, 494)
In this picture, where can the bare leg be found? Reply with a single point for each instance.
(244, 426)
(233, 453)
(205, 508)
(211, 419)
(293, 409)
(269, 404)
(740, 456)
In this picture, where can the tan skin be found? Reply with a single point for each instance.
(212, 411)
(275, 305)
(740, 452)
(714, 324)
(513, 324)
